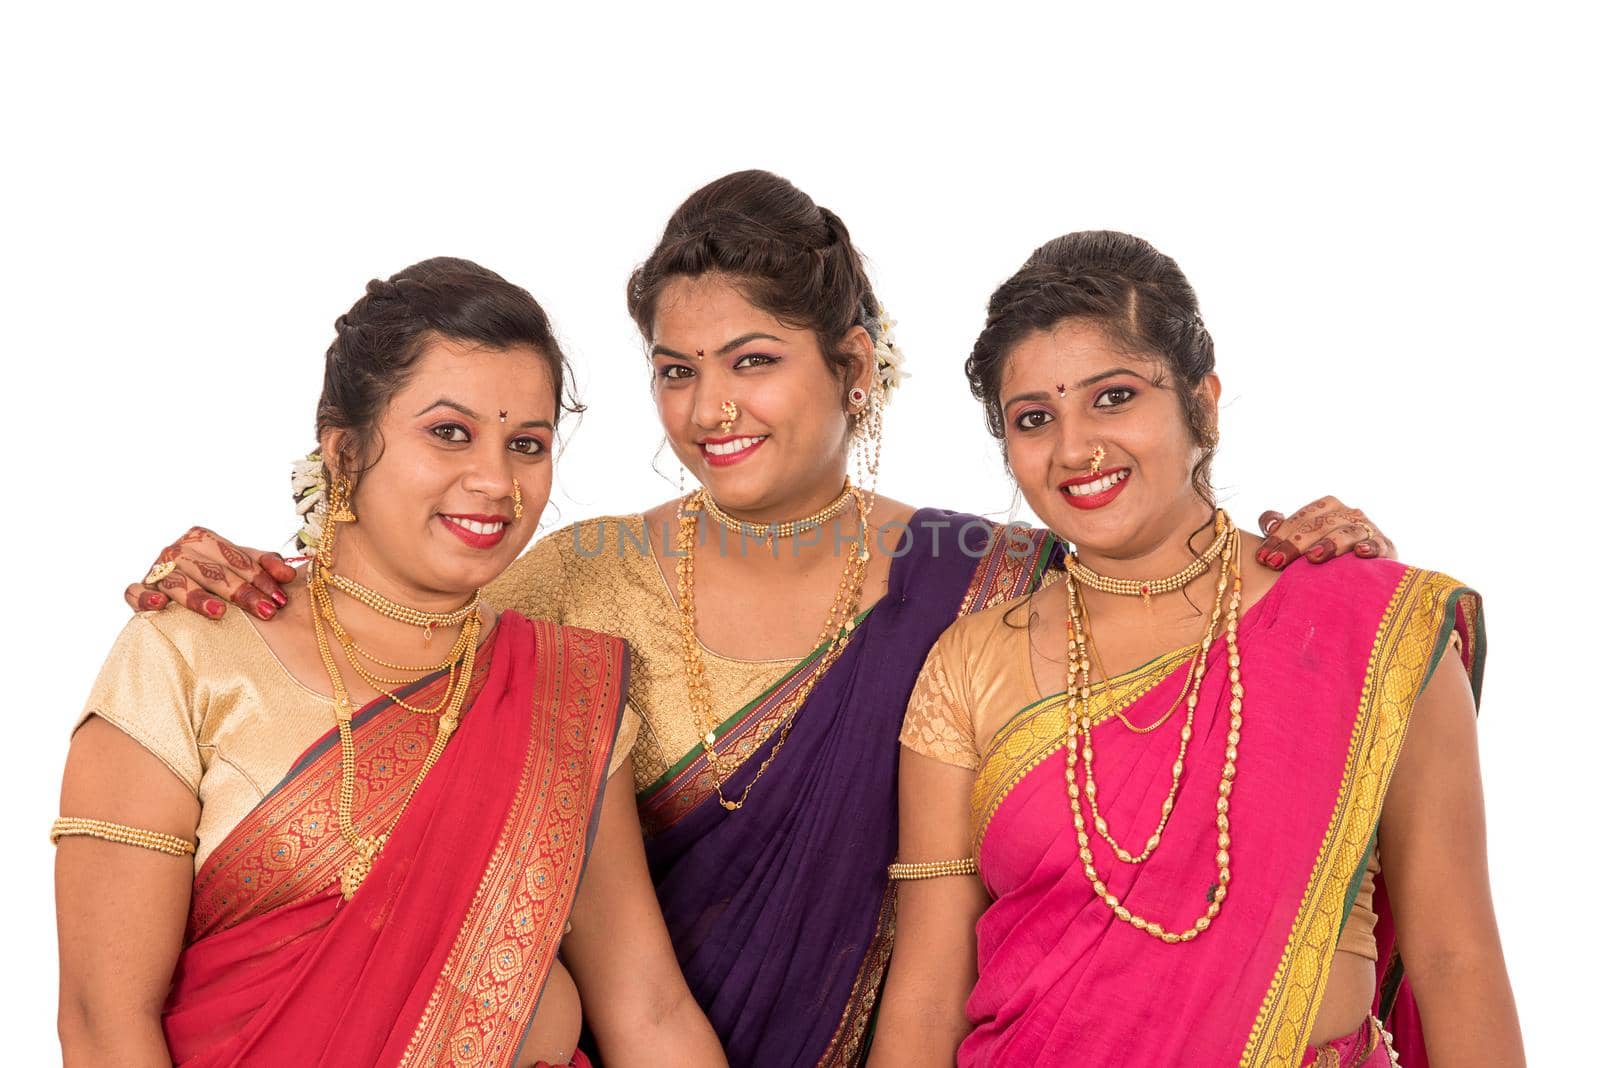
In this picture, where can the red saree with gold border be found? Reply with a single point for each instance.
(1333, 660)
(441, 956)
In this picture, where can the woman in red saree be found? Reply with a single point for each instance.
(1210, 807)
(386, 871)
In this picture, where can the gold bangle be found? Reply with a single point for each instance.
(933, 869)
(72, 826)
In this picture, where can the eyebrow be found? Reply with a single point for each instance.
(742, 339)
(1042, 395)
(446, 402)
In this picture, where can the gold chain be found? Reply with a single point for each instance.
(1080, 721)
(366, 847)
(787, 529)
(1148, 588)
(835, 634)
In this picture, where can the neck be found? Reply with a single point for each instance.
(1178, 537)
(828, 540)
(369, 624)
(789, 508)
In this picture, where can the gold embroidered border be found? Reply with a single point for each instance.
(1035, 733)
(1404, 651)
(844, 1049)
(288, 847)
(1005, 573)
(490, 985)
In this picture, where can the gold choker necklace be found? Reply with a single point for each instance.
(770, 531)
(1148, 588)
(428, 621)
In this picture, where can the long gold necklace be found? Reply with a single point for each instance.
(367, 847)
(1147, 588)
(1080, 721)
(835, 633)
(771, 531)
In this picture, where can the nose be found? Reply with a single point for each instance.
(711, 394)
(1074, 448)
(490, 474)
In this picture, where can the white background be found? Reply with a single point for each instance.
(1388, 213)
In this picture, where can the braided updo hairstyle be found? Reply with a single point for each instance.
(788, 256)
(1132, 291)
(380, 338)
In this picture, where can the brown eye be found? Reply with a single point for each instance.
(527, 446)
(454, 433)
(754, 359)
(1114, 396)
(675, 371)
(1033, 420)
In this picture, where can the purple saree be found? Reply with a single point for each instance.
(781, 912)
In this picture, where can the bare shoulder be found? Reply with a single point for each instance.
(886, 511)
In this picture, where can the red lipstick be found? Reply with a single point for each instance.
(728, 459)
(1095, 500)
(477, 539)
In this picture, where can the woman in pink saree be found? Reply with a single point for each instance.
(1211, 809)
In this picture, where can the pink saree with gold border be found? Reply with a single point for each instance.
(1334, 658)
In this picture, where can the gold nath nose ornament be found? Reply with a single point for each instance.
(731, 410)
(1097, 459)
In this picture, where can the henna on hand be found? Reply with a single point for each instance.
(205, 568)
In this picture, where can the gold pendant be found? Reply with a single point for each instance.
(353, 874)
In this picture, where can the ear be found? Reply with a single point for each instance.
(863, 359)
(333, 444)
(1210, 390)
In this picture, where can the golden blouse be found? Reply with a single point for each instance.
(980, 673)
(602, 574)
(212, 702)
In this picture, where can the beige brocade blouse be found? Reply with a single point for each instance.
(602, 574)
(212, 702)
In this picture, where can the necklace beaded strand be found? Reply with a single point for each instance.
(1080, 721)
(835, 633)
(319, 580)
(788, 528)
(1147, 588)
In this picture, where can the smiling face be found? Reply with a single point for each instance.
(787, 446)
(1070, 390)
(436, 503)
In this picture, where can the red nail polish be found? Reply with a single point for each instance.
(1317, 554)
(280, 597)
(264, 609)
(1276, 560)
(213, 607)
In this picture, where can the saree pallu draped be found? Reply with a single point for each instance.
(441, 956)
(1333, 659)
(781, 912)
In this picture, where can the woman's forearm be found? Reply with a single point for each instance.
(915, 1033)
(672, 1033)
(92, 1037)
(1469, 1018)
